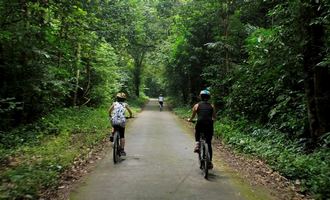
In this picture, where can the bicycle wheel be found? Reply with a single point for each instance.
(206, 158)
(116, 150)
(200, 159)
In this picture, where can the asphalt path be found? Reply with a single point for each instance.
(160, 164)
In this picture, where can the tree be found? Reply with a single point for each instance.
(316, 69)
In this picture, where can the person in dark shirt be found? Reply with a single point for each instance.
(205, 118)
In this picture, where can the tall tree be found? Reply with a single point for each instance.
(317, 71)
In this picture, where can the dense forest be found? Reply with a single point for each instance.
(265, 62)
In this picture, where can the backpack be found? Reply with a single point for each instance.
(118, 114)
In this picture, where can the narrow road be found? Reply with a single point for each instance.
(160, 164)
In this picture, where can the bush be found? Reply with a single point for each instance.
(281, 153)
(40, 152)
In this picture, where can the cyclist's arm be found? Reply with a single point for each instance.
(129, 111)
(110, 110)
(194, 112)
(214, 116)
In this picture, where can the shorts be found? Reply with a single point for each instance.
(120, 129)
(205, 127)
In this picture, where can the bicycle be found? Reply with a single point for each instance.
(161, 107)
(116, 147)
(203, 155)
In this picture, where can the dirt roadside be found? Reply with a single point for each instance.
(257, 173)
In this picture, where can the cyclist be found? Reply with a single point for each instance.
(161, 100)
(205, 118)
(118, 120)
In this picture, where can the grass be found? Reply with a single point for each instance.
(32, 157)
(312, 170)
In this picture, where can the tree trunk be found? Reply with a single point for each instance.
(226, 24)
(136, 74)
(137, 71)
(75, 95)
(317, 87)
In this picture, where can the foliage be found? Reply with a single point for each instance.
(270, 77)
(254, 57)
(34, 160)
(265, 63)
(53, 54)
(311, 170)
(183, 112)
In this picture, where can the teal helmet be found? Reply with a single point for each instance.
(205, 92)
(205, 95)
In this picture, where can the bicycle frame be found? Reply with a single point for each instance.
(116, 147)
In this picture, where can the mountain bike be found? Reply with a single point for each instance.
(116, 147)
(161, 107)
(203, 155)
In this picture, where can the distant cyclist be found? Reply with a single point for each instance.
(161, 100)
(205, 118)
(118, 120)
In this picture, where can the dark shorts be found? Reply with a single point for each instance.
(120, 129)
(161, 103)
(205, 127)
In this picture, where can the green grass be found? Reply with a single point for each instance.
(282, 154)
(32, 157)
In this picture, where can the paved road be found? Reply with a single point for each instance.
(160, 164)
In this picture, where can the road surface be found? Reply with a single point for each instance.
(160, 164)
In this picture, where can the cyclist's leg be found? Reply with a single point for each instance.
(209, 144)
(209, 135)
(111, 134)
(122, 139)
(113, 129)
(197, 136)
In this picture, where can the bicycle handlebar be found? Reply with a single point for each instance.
(192, 121)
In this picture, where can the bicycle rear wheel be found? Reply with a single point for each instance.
(116, 147)
(206, 160)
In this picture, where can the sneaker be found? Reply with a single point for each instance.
(210, 165)
(196, 150)
(122, 152)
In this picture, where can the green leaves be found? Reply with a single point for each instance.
(311, 171)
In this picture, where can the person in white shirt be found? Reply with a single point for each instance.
(118, 119)
(161, 100)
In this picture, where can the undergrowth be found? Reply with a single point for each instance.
(311, 171)
(32, 157)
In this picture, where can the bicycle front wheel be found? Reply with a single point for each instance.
(115, 148)
(206, 159)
